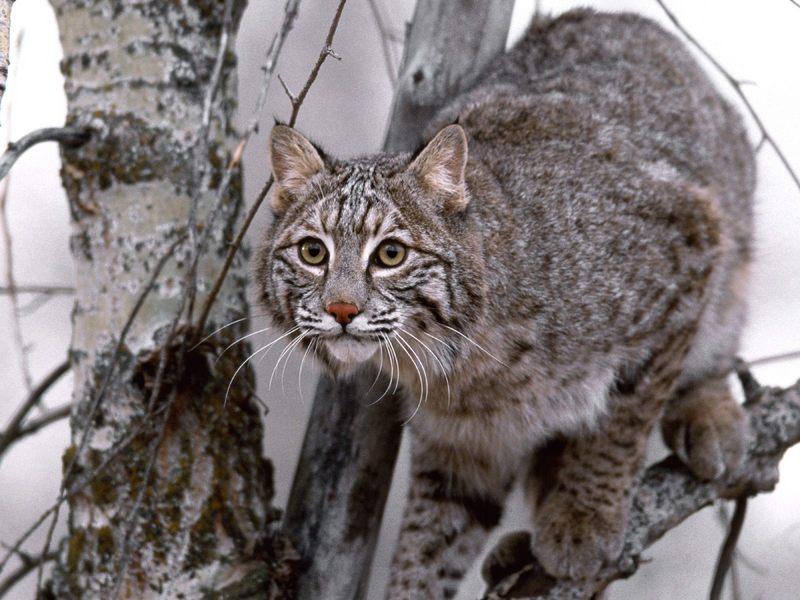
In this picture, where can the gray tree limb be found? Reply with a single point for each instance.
(668, 494)
(447, 47)
(346, 464)
(71, 136)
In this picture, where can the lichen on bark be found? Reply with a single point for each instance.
(183, 506)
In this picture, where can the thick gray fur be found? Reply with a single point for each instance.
(580, 278)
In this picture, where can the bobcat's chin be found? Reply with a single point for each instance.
(351, 351)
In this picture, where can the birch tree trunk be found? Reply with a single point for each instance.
(177, 502)
(334, 512)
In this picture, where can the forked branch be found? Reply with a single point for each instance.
(15, 430)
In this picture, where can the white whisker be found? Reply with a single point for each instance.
(476, 344)
(384, 340)
(436, 358)
(240, 367)
(422, 386)
(284, 353)
(288, 333)
(293, 347)
(302, 361)
(241, 339)
(231, 324)
(380, 366)
(393, 354)
(446, 343)
(404, 341)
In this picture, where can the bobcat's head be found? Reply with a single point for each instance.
(370, 254)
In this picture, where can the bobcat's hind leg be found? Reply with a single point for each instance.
(706, 428)
(444, 529)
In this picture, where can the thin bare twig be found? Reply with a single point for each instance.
(14, 430)
(75, 488)
(51, 416)
(29, 563)
(774, 358)
(201, 158)
(327, 50)
(296, 102)
(46, 290)
(121, 343)
(389, 57)
(737, 86)
(16, 313)
(276, 46)
(72, 137)
(726, 555)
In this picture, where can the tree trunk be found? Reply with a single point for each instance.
(346, 464)
(181, 503)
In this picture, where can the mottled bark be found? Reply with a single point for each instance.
(668, 494)
(183, 506)
(5, 42)
(346, 465)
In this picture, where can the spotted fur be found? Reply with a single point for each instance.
(576, 251)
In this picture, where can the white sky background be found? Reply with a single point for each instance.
(346, 112)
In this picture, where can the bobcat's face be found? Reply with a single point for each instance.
(360, 259)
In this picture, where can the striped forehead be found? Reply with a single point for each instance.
(358, 208)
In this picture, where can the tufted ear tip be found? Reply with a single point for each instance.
(294, 161)
(441, 167)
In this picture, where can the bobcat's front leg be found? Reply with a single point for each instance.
(445, 526)
(579, 522)
(585, 482)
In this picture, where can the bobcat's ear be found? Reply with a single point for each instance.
(440, 168)
(294, 161)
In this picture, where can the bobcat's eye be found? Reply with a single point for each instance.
(313, 251)
(390, 254)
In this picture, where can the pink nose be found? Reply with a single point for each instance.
(343, 311)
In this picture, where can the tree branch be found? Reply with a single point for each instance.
(47, 290)
(28, 564)
(14, 431)
(668, 494)
(728, 550)
(428, 79)
(69, 136)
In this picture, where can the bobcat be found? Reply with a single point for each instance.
(548, 278)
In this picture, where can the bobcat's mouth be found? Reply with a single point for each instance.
(351, 349)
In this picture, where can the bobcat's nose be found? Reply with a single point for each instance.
(343, 311)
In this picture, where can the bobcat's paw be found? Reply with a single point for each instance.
(575, 542)
(707, 434)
